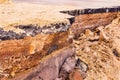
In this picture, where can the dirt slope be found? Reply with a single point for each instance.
(100, 50)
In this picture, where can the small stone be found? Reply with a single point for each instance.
(82, 66)
(75, 75)
(67, 67)
(103, 36)
(88, 32)
(100, 28)
(87, 49)
(69, 64)
(12, 74)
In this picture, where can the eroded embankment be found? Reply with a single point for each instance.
(28, 37)
(32, 30)
(73, 53)
(100, 50)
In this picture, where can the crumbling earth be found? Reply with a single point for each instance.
(99, 49)
(64, 47)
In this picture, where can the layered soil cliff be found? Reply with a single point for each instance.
(42, 42)
(29, 36)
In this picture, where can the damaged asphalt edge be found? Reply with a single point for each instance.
(92, 11)
(32, 30)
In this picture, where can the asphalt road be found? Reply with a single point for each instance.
(80, 3)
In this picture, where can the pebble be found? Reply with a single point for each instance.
(87, 49)
(75, 75)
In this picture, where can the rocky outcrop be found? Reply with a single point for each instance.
(49, 67)
(99, 50)
(19, 55)
(27, 39)
(91, 21)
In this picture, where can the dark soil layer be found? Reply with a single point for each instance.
(7, 35)
(32, 30)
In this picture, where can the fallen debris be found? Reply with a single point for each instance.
(45, 44)
(102, 58)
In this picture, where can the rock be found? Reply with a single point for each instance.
(82, 67)
(87, 49)
(103, 36)
(75, 75)
(19, 55)
(67, 67)
(103, 59)
(69, 64)
(35, 46)
(27, 37)
(48, 68)
(88, 32)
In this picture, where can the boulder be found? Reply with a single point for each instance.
(48, 68)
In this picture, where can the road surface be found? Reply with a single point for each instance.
(80, 3)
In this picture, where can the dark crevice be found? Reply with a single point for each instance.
(93, 40)
(115, 52)
(71, 20)
(53, 48)
(62, 73)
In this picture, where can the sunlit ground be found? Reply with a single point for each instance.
(81, 3)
